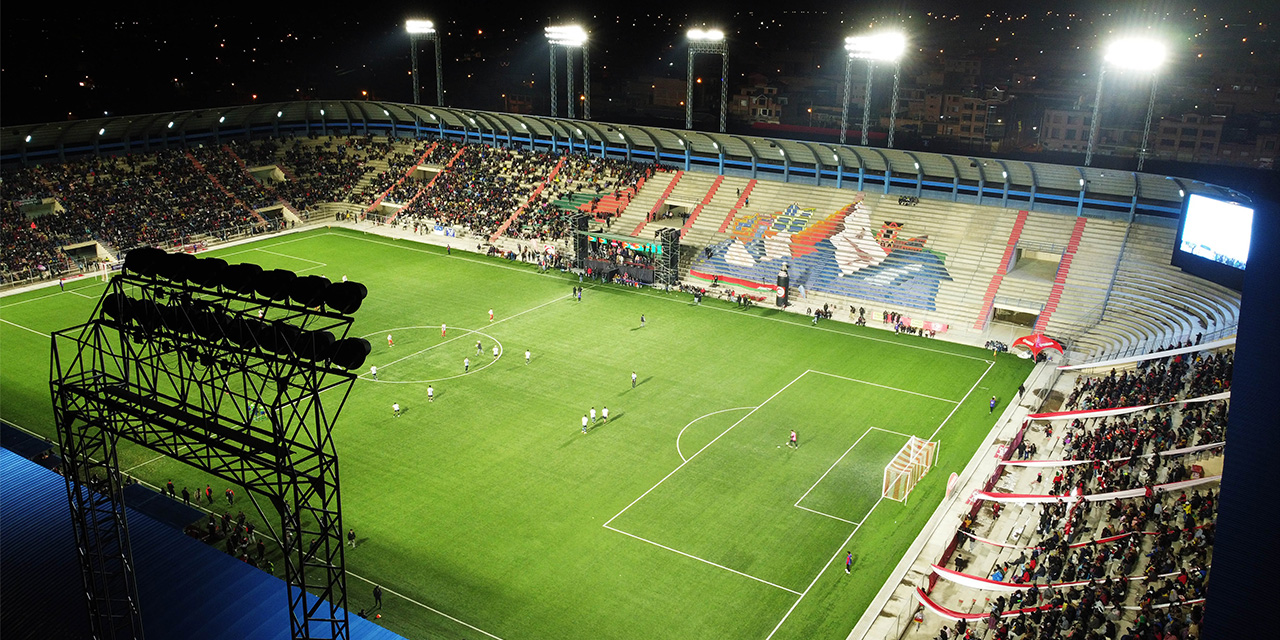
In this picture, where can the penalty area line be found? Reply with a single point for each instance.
(703, 560)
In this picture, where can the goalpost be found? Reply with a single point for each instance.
(905, 470)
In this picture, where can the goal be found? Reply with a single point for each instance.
(903, 472)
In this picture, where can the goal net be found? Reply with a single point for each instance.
(903, 472)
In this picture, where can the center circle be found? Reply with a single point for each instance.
(392, 355)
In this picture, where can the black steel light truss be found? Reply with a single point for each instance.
(230, 369)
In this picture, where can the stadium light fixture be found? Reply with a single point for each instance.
(1137, 54)
(102, 131)
(224, 119)
(28, 137)
(170, 124)
(879, 47)
(706, 35)
(419, 27)
(566, 36)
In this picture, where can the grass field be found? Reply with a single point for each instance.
(488, 513)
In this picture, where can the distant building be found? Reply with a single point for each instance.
(760, 103)
(1189, 138)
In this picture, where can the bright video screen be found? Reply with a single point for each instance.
(1217, 230)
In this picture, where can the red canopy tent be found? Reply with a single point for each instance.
(1036, 343)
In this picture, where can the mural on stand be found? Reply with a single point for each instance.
(841, 253)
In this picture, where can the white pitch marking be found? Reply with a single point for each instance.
(827, 515)
(39, 333)
(699, 418)
(704, 448)
(718, 566)
(872, 510)
(914, 393)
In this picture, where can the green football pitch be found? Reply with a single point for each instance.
(488, 513)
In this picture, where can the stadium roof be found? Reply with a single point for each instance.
(1032, 185)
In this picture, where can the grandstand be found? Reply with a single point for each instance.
(967, 250)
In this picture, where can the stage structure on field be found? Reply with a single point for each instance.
(226, 369)
(907, 468)
(629, 259)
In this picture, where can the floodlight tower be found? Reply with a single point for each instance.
(1135, 54)
(570, 38)
(707, 41)
(424, 30)
(882, 47)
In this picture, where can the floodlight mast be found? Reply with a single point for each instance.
(570, 38)
(707, 41)
(883, 47)
(1134, 54)
(424, 30)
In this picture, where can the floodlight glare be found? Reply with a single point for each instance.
(886, 47)
(419, 26)
(706, 35)
(1138, 54)
(567, 36)
(28, 138)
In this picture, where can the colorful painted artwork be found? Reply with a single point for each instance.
(842, 253)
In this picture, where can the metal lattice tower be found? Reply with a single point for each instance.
(893, 106)
(1093, 124)
(554, 111)
(1146, 127)
(866, 102)
(714, 47)
(844, 108)
(226, 382)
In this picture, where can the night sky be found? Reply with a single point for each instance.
(59, 65)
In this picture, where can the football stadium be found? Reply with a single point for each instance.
(592, 380)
